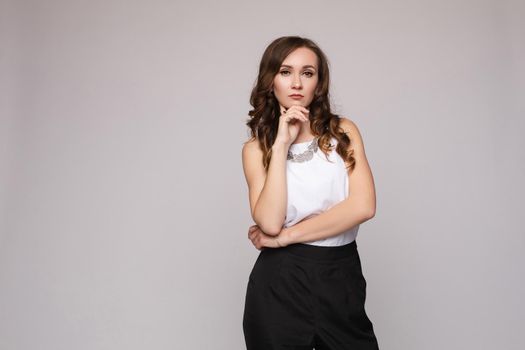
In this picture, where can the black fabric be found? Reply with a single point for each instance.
(304, 296)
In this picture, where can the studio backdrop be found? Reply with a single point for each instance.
(124, 208)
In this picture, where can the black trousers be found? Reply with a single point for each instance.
(304, 296)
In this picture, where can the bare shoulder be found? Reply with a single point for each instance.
(251, 148)
(350, 128)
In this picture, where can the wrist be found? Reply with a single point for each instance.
(280, 147)
(286, 237)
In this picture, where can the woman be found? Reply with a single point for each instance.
(310, 186)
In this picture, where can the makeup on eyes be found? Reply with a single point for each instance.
(312, 70)
(285, 70)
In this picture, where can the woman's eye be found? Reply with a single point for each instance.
(309, 74)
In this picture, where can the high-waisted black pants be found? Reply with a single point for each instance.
(303, 296)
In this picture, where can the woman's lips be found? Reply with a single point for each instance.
(296, 97)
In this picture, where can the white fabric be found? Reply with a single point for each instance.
(314, 186)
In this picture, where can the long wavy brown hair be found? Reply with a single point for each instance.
(264, 117)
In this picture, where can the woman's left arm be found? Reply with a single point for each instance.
(359, 207)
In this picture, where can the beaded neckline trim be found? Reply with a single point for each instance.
(305, 156)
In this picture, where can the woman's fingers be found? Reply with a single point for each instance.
(294, 114)
(256, 240)
(300, 108)
(303, 109)
(251, 231)
(289, 123)
(260, 240)
(291, 108)
(255, 235)
(299, 112)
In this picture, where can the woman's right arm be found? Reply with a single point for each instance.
(267, 191)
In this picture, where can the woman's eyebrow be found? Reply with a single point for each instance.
(305, 66)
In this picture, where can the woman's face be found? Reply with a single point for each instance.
(297, 76)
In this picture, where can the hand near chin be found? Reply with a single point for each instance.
(262, 240)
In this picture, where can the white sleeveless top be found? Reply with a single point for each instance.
(315, 186)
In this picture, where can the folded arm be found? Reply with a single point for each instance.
(267, 190)
(359, 207)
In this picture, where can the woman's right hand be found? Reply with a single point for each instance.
(290, 123)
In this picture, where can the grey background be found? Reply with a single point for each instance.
(124, 209)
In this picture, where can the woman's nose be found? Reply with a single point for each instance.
(296, 82)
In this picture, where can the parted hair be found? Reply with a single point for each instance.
(263, 119)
